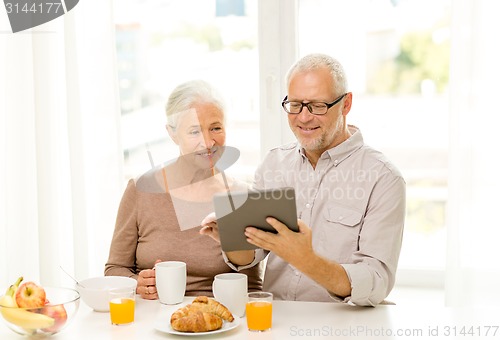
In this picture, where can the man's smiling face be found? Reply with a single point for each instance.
(316, 133)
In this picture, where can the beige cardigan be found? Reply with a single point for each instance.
(147, 229)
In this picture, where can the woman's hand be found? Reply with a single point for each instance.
(146, 284)
(210, 227)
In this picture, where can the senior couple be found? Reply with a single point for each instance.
(348, 245)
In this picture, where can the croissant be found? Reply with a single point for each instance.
(195, 321)
(204, 304)
(203, 315)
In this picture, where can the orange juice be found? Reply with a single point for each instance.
(259, 315)
(121, 310)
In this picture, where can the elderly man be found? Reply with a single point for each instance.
(350, 199)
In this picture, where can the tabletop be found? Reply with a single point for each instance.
(295, 319)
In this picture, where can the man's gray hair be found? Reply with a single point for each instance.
(317, 60)
(186, 95)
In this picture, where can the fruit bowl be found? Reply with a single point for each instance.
(95, 291)
(50, 319)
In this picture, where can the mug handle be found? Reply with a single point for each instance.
(214, 288)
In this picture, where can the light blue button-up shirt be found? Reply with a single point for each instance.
(354, 202)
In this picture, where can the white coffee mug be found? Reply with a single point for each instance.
(171, 281)
(231, 290)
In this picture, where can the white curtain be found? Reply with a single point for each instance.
(60, 155)
(473, 267)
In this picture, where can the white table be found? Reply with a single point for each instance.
(308, 320)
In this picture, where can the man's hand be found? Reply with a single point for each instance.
(296, 249)
(292, 247)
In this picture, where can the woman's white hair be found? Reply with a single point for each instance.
(318, 60)
(184, 96)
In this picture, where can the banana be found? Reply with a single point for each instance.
(30, 321)
(23, 318)
(12, 289)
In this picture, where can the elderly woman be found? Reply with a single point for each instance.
(160, 212)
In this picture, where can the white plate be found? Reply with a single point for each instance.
(163, 325)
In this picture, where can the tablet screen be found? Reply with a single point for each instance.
(237, 210)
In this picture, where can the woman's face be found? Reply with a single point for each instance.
(200, 135)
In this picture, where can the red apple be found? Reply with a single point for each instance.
(57, 312)
(30, 295)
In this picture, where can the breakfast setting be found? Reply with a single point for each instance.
(108, 308)
(32, 310)
(248, 169)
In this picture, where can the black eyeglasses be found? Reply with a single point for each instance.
(316, 108)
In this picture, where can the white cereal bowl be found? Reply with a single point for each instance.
(95, 291)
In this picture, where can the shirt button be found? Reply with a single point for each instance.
(335, 162)
(297, 273)
(308, 205)
(341, 218)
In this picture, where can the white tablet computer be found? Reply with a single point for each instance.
(237, 210)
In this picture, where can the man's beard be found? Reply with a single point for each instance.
(319, 143)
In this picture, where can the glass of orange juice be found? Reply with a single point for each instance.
(122, 305)
(259, 311)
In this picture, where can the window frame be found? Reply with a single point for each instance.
(278, 49)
